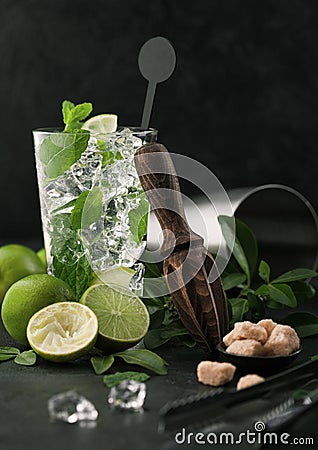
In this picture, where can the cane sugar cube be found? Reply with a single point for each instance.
(246, 347)
(229, 338)
(249, 330)
(282, 341)
(268, 324)
(249, 380)
(215, 373)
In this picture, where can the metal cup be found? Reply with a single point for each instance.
(284, 222)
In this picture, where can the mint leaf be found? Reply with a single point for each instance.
(118, 377)
(144, 358)
(239, 307)
(27, 358)
(264, 271)
(70, 262)
(245, 247)
(60, 151)
(294, 275)
(279, 293)
(74, 115)
(102, 363)
(67, 107)
(88, 209)
(305, 324)
(138, 219)
(7, 353)
(232, 280)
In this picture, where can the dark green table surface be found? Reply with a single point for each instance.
(24, 392)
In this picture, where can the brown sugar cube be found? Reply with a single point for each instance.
(249, 330)
(282, 341)
(268, 324)
(215, 373)
(246, 347)
(248, 380)
(229, 338)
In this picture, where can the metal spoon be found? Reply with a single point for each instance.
(156, 61)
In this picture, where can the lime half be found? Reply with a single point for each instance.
(62, 331)
(104, 123)
(123, 319)
(119, 275)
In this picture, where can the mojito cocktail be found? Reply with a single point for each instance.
(93, 209)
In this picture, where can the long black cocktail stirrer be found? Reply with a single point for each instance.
(156, 60)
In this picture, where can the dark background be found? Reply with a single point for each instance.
(243, 99)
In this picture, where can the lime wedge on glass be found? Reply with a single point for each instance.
(63, 331)
(123, 319)
(103, 123)
(119, 275)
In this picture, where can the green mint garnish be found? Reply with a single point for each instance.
(116, 378)
(102, 363)
(73, 116)
(88, 209)
(27, 358)
(138, 219)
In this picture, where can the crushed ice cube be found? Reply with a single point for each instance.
(137, 281)
(71, 407)
(128, 395)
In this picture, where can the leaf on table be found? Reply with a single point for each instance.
(305, 323)
(27, 358)
(102, 363)
(264, 271)
(116, 378)
(294, 275)
(88, 209)
(144, 358)
(232, 280)
(153, 339)
(7, 353)
(60, 151)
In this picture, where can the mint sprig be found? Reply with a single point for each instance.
(252, 295)
(74, 115)
(26, 358)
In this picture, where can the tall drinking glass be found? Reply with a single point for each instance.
(93, 209)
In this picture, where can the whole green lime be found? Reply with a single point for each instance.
(16, 262)
(27, 296)
(42, 256)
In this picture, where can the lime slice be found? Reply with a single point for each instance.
(120, 276)
(104, 123)
(123, 319)
(62, 331)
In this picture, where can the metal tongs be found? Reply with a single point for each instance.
(277, 401)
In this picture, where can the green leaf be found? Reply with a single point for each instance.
(232, 280)
(294, 275)
(116, 378)
(280, 293)
(245, 247)
(144, 358)
(102, 363)
(187, 341)
(153, 338)
(239, 307)
(302, 290)
(75, 271)
(314, 357)
(74, 115)
(157, 318)
(256, 307)
(88, 209)
(264, 271)
(78, 275)
(305, 324)
(27, 358)
(138, 219)
(60, 151)
(7, 353)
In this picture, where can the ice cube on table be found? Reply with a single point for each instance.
(128, 395)
(71, 407)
